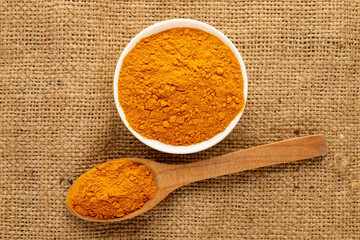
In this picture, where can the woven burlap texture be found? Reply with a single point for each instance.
(58, 119)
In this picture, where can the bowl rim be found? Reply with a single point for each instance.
(166, 25)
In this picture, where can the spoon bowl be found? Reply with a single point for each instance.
(169, 177)
(162, 191)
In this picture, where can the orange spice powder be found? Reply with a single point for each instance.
(181, 86)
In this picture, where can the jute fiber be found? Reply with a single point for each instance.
(58, 119)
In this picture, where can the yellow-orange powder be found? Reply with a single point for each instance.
(181, 86)
(112, 190)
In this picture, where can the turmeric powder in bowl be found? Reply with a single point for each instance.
(181, 86)
(111, 190)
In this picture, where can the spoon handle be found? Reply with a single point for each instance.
(252, 158)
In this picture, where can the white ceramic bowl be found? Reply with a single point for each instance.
(159, 27)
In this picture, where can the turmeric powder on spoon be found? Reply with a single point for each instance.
(113, 189)
(181, 86)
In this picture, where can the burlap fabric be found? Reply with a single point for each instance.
(58, 119)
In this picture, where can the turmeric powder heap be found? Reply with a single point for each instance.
(181, 86)
(112, 190)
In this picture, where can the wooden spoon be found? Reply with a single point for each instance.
(170, 177)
